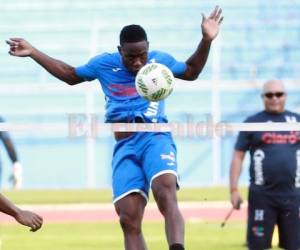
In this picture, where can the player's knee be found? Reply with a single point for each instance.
(166, 199)
(130, 223)
(164, 186)
(164, 191)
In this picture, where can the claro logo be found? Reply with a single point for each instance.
(277, 138)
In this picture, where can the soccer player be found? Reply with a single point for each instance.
(26, 218)
(274, 192)
(16, 165)
(140, 160)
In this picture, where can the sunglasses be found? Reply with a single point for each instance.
(270, 95)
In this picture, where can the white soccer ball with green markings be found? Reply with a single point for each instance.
(154, 81)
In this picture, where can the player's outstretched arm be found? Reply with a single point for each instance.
(210, 29)
(22, 48)
(26, 218)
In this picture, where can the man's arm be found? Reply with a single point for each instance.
(235, 172)
(22, 48)
(24, 217)
(210, 28)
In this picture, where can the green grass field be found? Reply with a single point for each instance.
(108, 236)
(101, 196)
(91, 236)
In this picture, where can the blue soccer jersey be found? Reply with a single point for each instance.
(118, 84)
(275, 156)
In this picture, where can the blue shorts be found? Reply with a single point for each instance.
(140, 158)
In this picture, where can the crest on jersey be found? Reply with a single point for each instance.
(290, 119)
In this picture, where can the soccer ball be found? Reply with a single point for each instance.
(154, 81)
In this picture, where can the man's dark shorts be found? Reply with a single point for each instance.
(264, 212)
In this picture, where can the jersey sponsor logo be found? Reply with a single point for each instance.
(259, 214)
(122, 90)
(258, 158)
(152, 110)
(297, 178)
(277, 138)
(170, 157)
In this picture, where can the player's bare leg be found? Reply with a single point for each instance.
(131, 210)
(164, 191)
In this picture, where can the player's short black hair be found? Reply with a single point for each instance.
(132, 33)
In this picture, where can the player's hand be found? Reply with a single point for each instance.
(29, 219)
(210, 26)
(17, 175)
(19, 47)
(236, 199)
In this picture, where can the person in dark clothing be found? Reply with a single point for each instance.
(274, 192)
